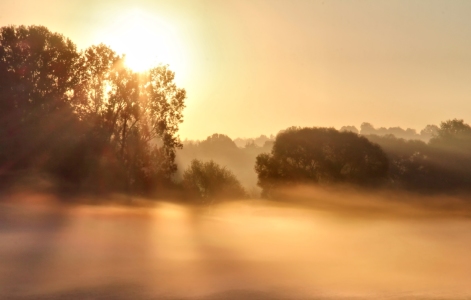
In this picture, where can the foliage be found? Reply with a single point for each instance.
(83, 116)
(350, 128)
(442, 165)
(209, 181)
(410, 134)
(320, 156)
(223, 151)
(453, 134)
(37, 75)
(410, 164)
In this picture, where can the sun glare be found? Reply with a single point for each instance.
(145, 41)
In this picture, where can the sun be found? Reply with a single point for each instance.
(145, 40)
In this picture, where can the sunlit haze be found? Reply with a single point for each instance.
(235, 149)
(144, 39)
(255, 67)
(240, 251)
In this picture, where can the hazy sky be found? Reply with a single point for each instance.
(253, 67)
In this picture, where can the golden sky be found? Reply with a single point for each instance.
(254, 67)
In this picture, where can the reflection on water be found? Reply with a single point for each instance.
(240, 250)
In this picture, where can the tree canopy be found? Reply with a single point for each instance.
(37, 71)
(441, 165)
(321, 156)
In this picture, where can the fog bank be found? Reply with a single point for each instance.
(338, 247)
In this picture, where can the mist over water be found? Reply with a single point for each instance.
(330, 245)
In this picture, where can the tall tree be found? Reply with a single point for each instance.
(37, 78)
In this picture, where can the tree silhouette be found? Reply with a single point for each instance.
(350, 128)
(208, 182)
(428, 132)
(37, 78)
(441, 165)
(410, 164)
(453, 133)
(320, 156)
(136, 117)
(450, 149)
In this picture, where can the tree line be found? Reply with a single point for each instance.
(92, 124)
(326, 156)
(409, 134)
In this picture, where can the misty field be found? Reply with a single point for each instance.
(334, 248)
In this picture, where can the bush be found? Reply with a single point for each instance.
(207, 181)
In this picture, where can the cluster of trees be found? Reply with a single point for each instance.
(441, 165)
(326, 156)
(224, 151)
(82, 116)
(409, 134)
(258, 141)
(92, 124)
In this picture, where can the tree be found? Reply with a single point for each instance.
(207, 181)
(453, 133)
(164, 103)
(37, 78)
(428, 132)
(320, 156)
(410, 164)
(350, 128)
(367, 128)
(135, 117)
(450, 149)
